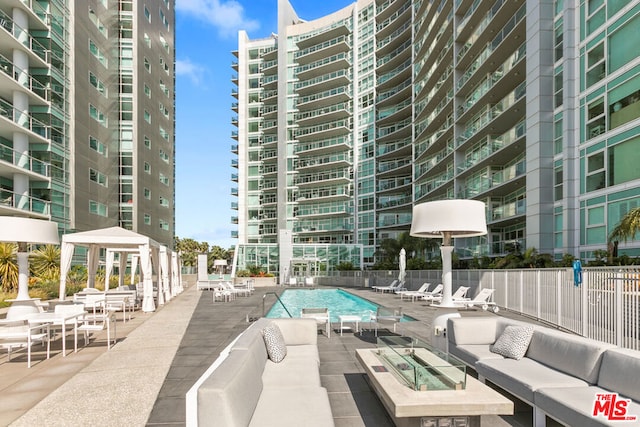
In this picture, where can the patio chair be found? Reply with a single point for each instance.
(321, 315)
(481, 300)
(235, 291)
(18, 333)
(385, 316)
(222, 294)
(96, 322)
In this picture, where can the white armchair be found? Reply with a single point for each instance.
(18, 333)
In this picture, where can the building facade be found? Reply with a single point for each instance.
(88, 129)
(347, 121)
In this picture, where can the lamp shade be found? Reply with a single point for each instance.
(28, 230)
(459, 217)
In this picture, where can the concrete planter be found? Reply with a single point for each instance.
(258, 282)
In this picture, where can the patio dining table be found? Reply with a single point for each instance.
(62, 320)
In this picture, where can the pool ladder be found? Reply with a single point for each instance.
(279, 300)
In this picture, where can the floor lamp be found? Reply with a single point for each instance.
(24, 231)
(446, 220)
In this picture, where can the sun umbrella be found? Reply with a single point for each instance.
(403, 265)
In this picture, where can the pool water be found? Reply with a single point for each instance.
(338, 301)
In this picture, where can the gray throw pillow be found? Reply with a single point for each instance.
(514, 342)
(274, 342)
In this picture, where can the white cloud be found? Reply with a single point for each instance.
(184, 67)
(227, 16)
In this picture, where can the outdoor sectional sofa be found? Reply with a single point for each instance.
(246, 388)
(560, 374)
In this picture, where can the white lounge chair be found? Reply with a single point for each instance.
(422, 288)
(425, 295)
(481, 300)
(321, 315)
(457, 296)
(393, 287)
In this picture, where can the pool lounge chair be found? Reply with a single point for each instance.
(321, 315)
(422, 288)
(424, 295)
(457, 296)
(481, 300)
(393, 287)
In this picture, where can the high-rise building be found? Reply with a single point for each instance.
(87, 126)
(347, 121)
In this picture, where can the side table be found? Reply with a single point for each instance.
(350, 319)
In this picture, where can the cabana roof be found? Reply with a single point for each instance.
(111, 237)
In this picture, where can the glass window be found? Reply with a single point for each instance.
(558, 35)
(596, 64)
(98, 177)
(595, 118)
(147, 194)
(595, 216)
(96, 83)
(97, 146)
(97, 208)
(558, 179)
(624, 103)
(623, 44)
(557, 136)
(147, 219)
(147, 167)
(595, 172)
(624, 159)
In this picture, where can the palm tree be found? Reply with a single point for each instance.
(628, 226)
(45, 262)
(9, 266)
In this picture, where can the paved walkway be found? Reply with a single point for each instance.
(95, 386)
(143, 379)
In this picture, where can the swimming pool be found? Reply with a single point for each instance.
(338, 301)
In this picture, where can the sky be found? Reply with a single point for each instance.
(206, 34)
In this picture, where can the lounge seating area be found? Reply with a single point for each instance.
(559, 374)
(269, 376)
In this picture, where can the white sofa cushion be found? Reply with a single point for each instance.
(574, 406)
(471, 353)
(293, 407)
(523, 377)
(230, 395)
(571, 354)
(619, 372)
(291, 372)
(513, 342)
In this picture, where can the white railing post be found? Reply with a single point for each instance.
(559, 301)
(521, 291)
(586, 278)
(619, 309)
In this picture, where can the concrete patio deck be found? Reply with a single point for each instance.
(143, 379)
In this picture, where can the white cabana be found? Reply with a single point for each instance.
(118, 239)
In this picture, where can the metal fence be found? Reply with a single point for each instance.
(604, 307)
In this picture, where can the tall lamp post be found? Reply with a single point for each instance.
(24, 231)
(446, 220)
